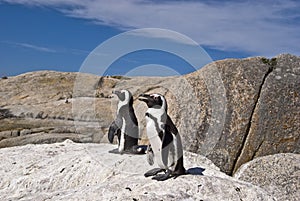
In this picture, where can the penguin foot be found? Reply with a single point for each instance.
(138, 149)
(162, 177)
(153, 172)
(114, 151)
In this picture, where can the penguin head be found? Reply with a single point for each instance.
(154, 101)
(124, 96)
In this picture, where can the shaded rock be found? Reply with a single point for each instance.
(278, 174)
(70, 171)
(5, 113)
(275, 124)
(25, 132)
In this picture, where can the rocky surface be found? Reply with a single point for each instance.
(224, 125)
(72, 171)
(279, 174)
(230, 111)
(37, 107)
(275, 123)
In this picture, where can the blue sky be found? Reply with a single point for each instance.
(59, 35)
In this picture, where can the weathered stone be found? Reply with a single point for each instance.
(5, 134)
(15, 133)
(275, 124)
(5, 113)
(278, 174)
(232, 87)
(42, 129)
(70, 171)
(221, 111)
(25, 132)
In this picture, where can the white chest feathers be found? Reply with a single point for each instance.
(165, 157)
(122, 137)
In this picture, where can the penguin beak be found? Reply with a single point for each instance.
(144, 97)
(115, 92)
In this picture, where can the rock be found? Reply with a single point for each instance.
(71, 171)
(5, 113)
(25, 132)
(42, 138)
(5, 134)
(278, 174)
(231, 111)
(275, 124)
(15, 133)
(226, 104)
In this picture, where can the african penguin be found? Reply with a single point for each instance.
(125, 126)
(164, 139)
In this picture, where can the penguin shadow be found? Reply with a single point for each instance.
(114, 151)
(195, 171)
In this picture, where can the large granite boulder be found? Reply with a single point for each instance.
(232, 88)
(71, 171)
(278, 174)
(275, 123)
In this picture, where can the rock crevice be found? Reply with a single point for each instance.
(271, 63)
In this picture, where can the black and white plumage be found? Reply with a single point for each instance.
(164, 138)
(125, 126)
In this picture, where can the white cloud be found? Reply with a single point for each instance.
(256, 27)
(163, 34)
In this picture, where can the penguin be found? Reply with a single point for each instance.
(125, 126)
(165, 142)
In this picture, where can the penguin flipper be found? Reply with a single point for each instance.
(113, 130)
(172, 128)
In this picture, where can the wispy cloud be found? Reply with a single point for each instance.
(30, 46)
(46, 49)
(34, 47)
(257, 27)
